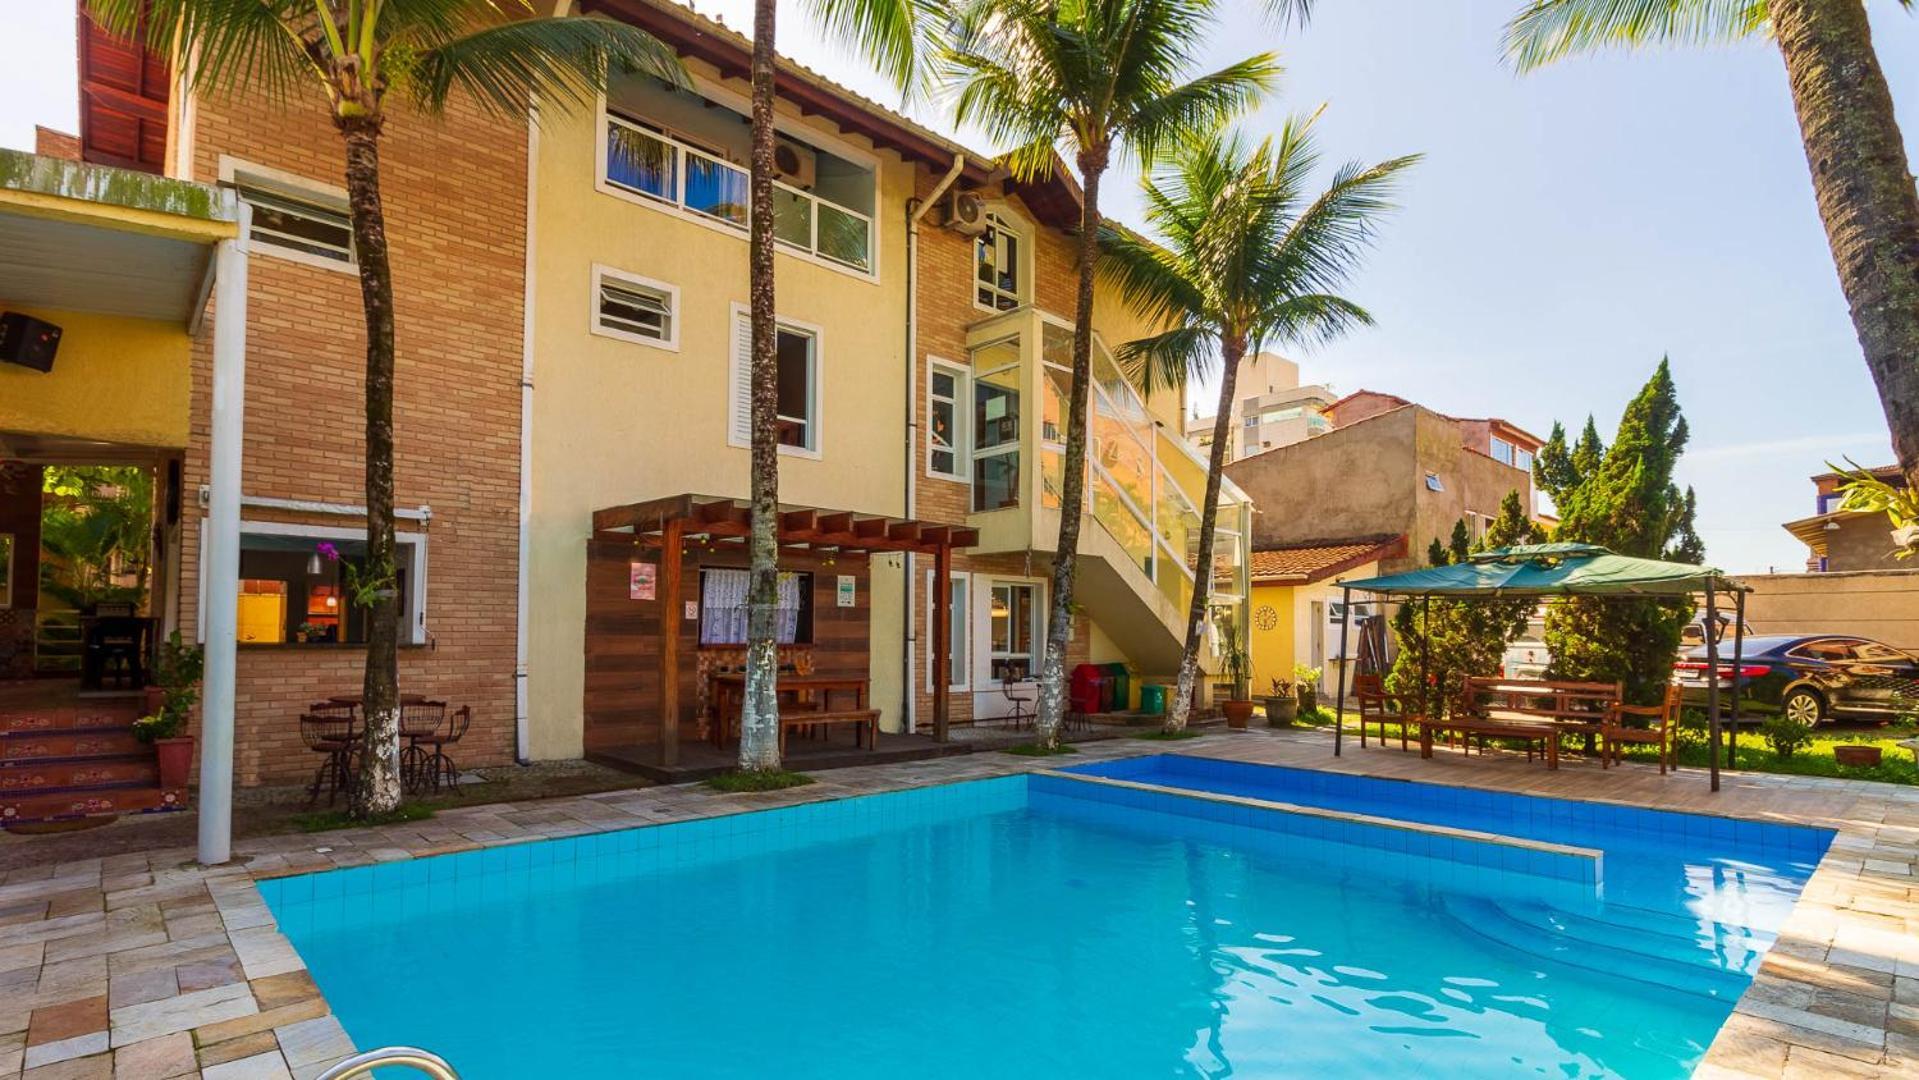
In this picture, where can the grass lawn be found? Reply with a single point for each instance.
(767, 780)
(1036, 750)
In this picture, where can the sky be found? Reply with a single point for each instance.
(1565, 230)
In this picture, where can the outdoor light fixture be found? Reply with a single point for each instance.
(314, 569)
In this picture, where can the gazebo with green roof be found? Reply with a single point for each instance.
(1542, 571)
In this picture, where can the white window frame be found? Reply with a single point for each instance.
(961, 672)
(1497, 445)
(962, 433)
(413, 547)
(815, 425)
(671, 293)
(1020, 229)
(242, 175)
(1038, 653)
(712, 92)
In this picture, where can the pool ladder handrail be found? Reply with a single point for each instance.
(388, 1056)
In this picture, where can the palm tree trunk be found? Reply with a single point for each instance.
(1866, 196)
(1059, 624)
(378, 790)
(1232, 348)
(760, 715)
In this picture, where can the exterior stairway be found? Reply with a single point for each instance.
(64, 757)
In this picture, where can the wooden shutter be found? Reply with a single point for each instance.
(740, 385)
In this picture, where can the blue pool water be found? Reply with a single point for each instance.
(1051, 927)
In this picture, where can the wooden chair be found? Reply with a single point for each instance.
(1658, 730)
(1378, 706)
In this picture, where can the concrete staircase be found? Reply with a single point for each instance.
(65, 758)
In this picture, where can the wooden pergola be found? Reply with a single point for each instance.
(670, 522)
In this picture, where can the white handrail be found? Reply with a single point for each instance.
(397, 1056)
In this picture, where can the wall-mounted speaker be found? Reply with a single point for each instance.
(28, 341)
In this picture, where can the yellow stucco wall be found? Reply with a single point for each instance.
(617, 422)
(1271, 641)
(114, 379)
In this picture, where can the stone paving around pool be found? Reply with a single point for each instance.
(148, 966)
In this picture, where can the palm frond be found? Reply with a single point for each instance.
(1169, 360)
(1200, 105)
(233, 44)
(1549, 30)
(897, 36)
(504, 67)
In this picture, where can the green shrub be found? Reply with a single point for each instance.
(1788, 736)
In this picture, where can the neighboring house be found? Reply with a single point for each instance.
(571, 361)
(1273, 411)
(1295, 605)
(1401, 471)
(1845, 540)
(1853, 584)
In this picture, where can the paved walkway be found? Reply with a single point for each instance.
(149, 966)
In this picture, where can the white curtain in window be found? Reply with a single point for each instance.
(723, 607)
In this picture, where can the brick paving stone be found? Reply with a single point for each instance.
(267, 1066)
(250, 1044)
(54, 1023)
(97, 1067)
(136, 1023)
(156, 1059)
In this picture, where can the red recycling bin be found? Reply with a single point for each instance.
(1089, 688)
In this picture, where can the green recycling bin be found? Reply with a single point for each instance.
(1118, 687)
(1152, 699)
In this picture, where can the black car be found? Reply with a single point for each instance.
(1809, 677)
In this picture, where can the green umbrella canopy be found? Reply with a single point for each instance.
(1550, 570)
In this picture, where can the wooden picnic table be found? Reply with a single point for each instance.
(810, 698)
(1536, 710)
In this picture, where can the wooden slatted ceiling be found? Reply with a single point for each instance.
(730, 519)
(123, 100)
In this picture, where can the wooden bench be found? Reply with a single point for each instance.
(1570, 708)
(1545, 734)
(864, 720)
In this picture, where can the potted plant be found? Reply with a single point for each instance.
(1239, 707)
(178, 674)
(1863, 755)
(1306, 687)
(1282, 707)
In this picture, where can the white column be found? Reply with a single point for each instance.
(221, 539)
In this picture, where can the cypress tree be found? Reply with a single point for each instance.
(1623, 497)
(1462, 637)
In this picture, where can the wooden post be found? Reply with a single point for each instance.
(942, 632)
(671, 541)
(1712, 682)
(1425, 655)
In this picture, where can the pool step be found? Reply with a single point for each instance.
(1649, 933)
(1540, 935)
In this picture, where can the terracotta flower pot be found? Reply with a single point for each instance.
(176, 760)
(1238, 713)
(152, 697)
(1866, 756)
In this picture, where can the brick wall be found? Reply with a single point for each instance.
(946, 309)
(454, 194)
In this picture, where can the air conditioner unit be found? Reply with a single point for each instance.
(965, 212)
(797, 166)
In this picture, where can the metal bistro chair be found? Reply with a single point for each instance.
(437, 765)
(1022, 716)
(331, 729)
(419, 720)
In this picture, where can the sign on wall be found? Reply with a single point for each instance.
(847, 587)
(642, 581)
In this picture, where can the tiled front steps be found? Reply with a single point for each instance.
(80, 760)
(195, 976)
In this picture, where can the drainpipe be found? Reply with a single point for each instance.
(915, 209)
(522, 736)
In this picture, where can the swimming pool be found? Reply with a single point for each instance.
(1046, 926)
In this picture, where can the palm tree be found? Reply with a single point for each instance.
(357, 52)
(895, 34)
(1089, 77)
(1244, 262)
(1859, 171)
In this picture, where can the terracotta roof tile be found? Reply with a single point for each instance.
(1307, 563)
